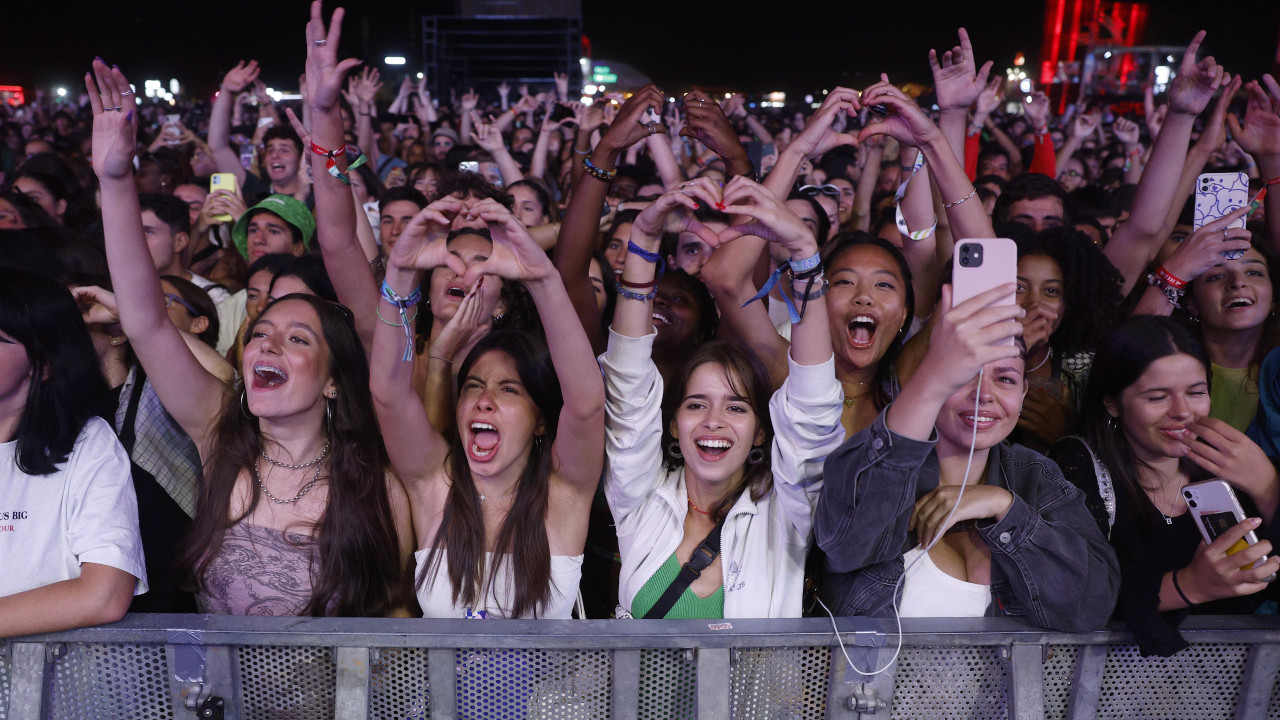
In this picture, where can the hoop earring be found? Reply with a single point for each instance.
(673, 449)
(537, 443)
(756, 456)
(1112, 423)
(328, 416)
(244, 404)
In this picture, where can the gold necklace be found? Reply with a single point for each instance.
(849, 399)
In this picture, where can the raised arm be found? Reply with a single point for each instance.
(907, 123)
(1259, 136)
(489, 138)
(578, 452)
(1135, 241)
(191, 394)
(957, 85)
(235, 81)
(707, 124)
(415, 447)
(344, 259)
(581, 222)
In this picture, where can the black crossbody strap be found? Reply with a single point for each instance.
(703, 556)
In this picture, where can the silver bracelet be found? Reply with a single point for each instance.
(966, 197)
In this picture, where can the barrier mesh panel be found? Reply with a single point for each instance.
(4, 681)
(938, 682)
(1058, 669)
(286, 683)
(1273, 711)
(529, 684)
(109, 680)
(398, 688)
(668, 681)
(1199, 683)
(779, 683)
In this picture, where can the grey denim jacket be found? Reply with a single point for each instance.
(1049, 562)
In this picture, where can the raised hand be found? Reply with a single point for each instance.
(1038, 110)
(1196, 83)
(819, 134)
(770, 219)
(1214, 134)
(1126, 131)
(626, 130)
(515, 256)
(708, 125)
(1204, 248)
(954, 78)
(504, 89)
(485, 135)
(423, 244)
(1259, 134)
(904, 121)
(115, 121)
(968, 336)
(1230, 455)
(673, 213)
(368, 83)
(325, 74)
(562, 86)
(468, 324)
(240, 77)
(989, 99)
(97, 305)
(469, 100)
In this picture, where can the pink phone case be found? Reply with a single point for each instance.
(981, 264)
(1213, 498)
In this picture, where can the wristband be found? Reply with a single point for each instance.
(1274, 181)
(576, 151)
(1172, 294)
(1181, 594)
(652, 257)
(1171, 279)
(638, 285)
(804, 266)
(402, 304)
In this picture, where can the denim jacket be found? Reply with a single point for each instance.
(1049, 562)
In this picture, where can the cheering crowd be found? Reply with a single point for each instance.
(510, 355)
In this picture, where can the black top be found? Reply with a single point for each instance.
(1146, 551)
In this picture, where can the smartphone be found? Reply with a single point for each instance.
(472, 166)
(981, 264)
(650, 116)
(1218, 194)
(1216, 510)
(222, 181)
(560, 113)
(172, 119)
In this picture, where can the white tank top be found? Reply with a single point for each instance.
(927, 591)
(435, 595)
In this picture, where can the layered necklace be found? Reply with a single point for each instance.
(305, 488)
(850, 399)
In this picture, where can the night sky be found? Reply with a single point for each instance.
(799, 46)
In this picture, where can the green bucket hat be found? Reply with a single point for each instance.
(289, 210)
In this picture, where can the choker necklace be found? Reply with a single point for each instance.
(305, 488)
(1047, 356)
(698, 509)
(277, 463)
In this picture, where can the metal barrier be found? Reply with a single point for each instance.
(157, 666)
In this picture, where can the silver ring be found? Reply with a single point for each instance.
(118, 108)
(127, 92)
(319, 43)
(1224, 234)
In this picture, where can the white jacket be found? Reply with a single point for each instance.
(763, 545)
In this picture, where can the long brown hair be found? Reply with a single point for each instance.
(748, 378)
(523, 534)
(356, 543)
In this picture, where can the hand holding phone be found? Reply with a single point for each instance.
(981, 264)
(1226, 532)
(1218, 194)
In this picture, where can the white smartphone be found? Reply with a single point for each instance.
(1218, 194)
(1216, 510)
(981, 264)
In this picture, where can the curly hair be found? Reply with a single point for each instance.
(1091, 285)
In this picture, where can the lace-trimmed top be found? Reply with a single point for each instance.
(259, 571)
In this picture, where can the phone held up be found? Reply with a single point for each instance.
(980, 264)
(1218, 194)
(1216, 510)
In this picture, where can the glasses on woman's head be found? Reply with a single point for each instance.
(828, 190)
(171, 298)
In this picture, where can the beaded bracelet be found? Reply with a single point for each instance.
(403, 304)
(597, 173)
(632, 295)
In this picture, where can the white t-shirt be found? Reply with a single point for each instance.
(85, 511)
(927, 591)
